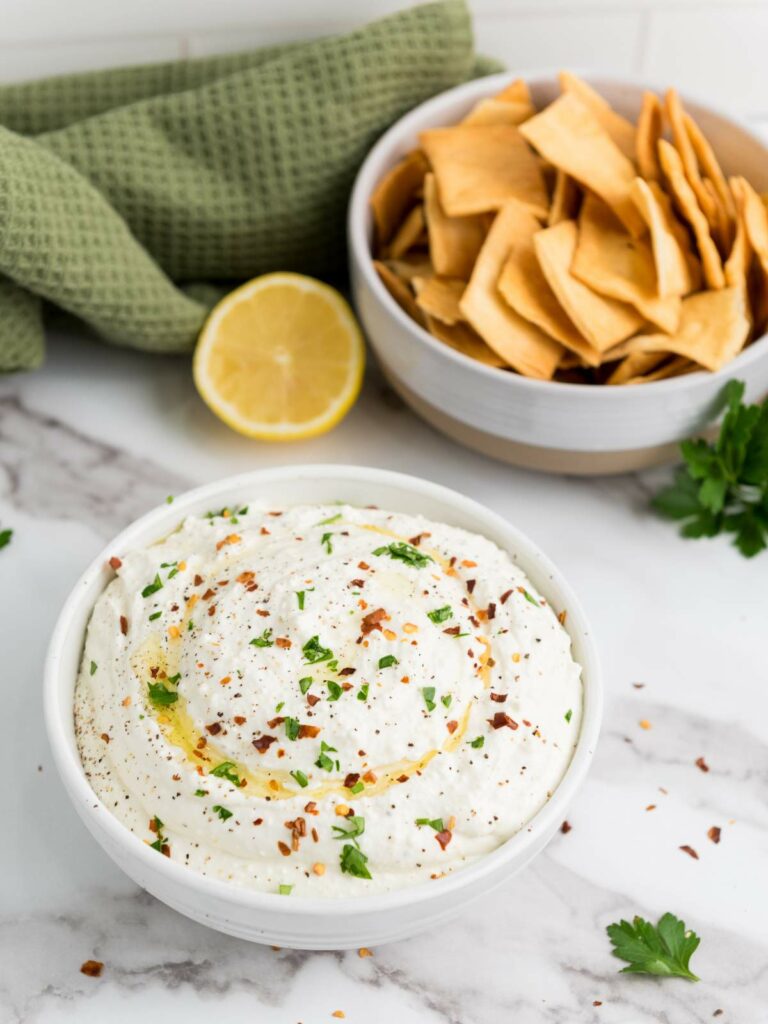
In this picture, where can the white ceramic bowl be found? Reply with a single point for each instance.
(571, 428)
(299, 922)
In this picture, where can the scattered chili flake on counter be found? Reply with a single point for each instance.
(690, 851)
(645, 724)
(566, 827)
(701, 764)
(714, 833)
(92, 968)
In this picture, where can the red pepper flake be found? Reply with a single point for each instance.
(690, 851)
(115, 562)
(351, 780)
(714, 833)
(264, 531)
(105, 737)
(92, 968)
(505, 596)
(211, 609)
(702, 764)
(453, 630)
(214, 728)
(239, 720)
(176, 778)
(198, 579)
(283, 641)
(262, 612)
(209, 594)
(444, 837)
(308, 731)
(369, 777)
(284, 848)
(124, 625)
(356, 583)
(451, 726)
(311, 808)
(373, 621)
(154, 669)
(566, 827)
(651, 807)
(402, 778)
(596, 1002)
(263, 743)
(491, 611)
(363, 566)
(471, 584)
(258, 821)
(277, 720)
(499, 697)
(312, 699)
(562, 616)
(347, 672)
(501, 719)
(416, 541)
(246, 577)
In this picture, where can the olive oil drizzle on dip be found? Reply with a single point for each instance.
(261, 671)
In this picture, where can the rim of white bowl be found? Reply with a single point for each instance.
(156, 521)
(367, 178)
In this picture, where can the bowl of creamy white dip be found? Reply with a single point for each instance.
(321, 706)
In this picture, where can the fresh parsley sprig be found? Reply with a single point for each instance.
(663, 949)
(723, 486)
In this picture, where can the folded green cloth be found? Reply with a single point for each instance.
(122, 190)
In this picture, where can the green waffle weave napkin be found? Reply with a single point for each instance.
(121, 191)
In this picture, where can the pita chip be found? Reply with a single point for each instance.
(672, 166)
(649, 130)
(690, 165)
(603, 322)
(754, 214)
(565, 199)
(479, 168)
(454, 242)
(395, 193)
(414, 264)
(568, 135)
(635, 365)
(400, 292)
(524, 287)
(520, 343)
(409, 234)
(439, 298)
(714, 327)
(677, 269)
(512, 105)
(613, 263)
(619, 128)
(464, 339)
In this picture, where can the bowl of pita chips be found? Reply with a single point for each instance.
(561, 272)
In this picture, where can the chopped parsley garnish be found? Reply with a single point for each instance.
(353, 861)
(478, 742)
(441, 614)
(265, 640)
(162, 697)
(153, 587)
(325, 541)
(387, 661)
(362, 693)
(292, 728)
(157, 827)
(323, 761)
(723, 486)
(528, 597)
(664, 949)
(446, 700)
(356, 827)
(226, 770)
(5, 538)
(358, 787)
(334, 689)
(405, 553)
(222, 812)
(93, 668)
(330, 519)
(201, 792)
(174, 679)
(190, 626)
(284, 890)
(435, 823)
(314, 651)
(300, 595)
(568, 714)
(169, 500)
(305, 683)
(279, 707)
(301, 778)
(428, 693)
(155, 615)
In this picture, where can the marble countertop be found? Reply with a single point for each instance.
(99, 436)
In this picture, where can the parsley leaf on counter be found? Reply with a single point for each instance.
(664, 949)
(723, 486)
(5, 538)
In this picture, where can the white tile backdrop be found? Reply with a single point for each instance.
(716, 48)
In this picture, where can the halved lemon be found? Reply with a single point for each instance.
(280, 358)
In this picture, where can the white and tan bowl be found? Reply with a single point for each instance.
(552, 426)
(299, 922)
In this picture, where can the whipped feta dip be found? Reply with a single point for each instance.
(324, 701)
